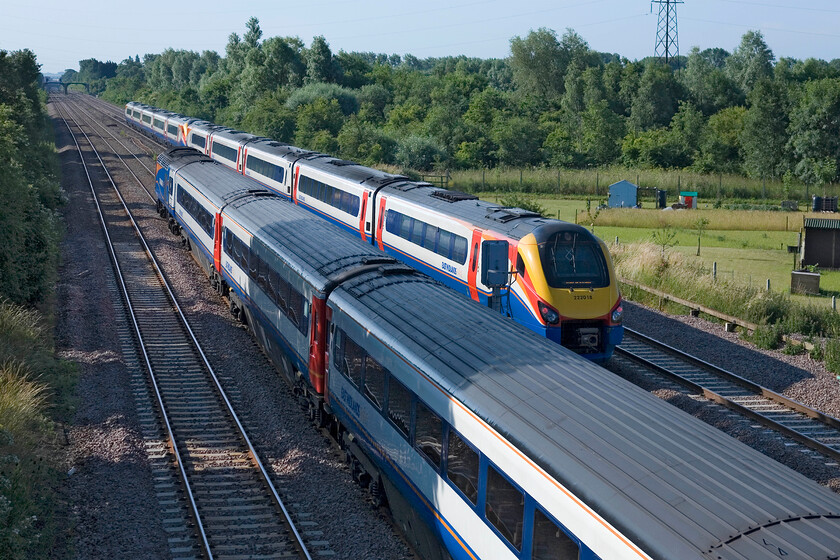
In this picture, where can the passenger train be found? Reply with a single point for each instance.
(563, 284)
(486, 441)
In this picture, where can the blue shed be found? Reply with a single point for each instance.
(623, 194)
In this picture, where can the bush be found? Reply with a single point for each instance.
(768, 337)
(419, 152)
(832, 355)
(307, 95)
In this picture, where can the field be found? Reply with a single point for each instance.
(748, 246)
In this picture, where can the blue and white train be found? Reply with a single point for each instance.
(563, 284)
(487, 441)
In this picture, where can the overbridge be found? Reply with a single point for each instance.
(49, 83)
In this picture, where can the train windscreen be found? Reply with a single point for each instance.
(574, 260)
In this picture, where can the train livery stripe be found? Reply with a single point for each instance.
(372, 442)
(594, 515)
(381, 222)
(471, 271)
(362, 215)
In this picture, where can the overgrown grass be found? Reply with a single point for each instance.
(595, 183)
(677, 274)
(34, 389)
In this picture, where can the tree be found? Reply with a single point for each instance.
(539, 63)
(319, 62)
(815, 132)
(764, 138)
(720, 146)
(657, 99)
(750, 62)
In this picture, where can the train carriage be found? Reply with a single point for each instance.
(524, 450)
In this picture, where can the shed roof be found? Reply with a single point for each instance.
(822, 223)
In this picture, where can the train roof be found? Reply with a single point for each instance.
(275, 148)
(218, 183)
(298, 236)
(236, 135)
(673, 484)
(513, 222)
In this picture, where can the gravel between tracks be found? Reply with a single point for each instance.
(309, 469)
(797, 377)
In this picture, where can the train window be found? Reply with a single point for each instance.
(264, 168)
(351, 365)
(226, 152)
(444, 244)
(375, 382)
(417, 229)
(283, 296)
(393, 221)
(198, 140)
(504, 507)
(399, 405)
(172, 129)
(147, 119)
(462, 466)
(405, 227)
(551, 542)
(428, 434)
(198, 212)
(572, 259)
(273, 284)
(430, 237)
(459, 250)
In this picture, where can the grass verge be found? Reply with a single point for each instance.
(34, 396)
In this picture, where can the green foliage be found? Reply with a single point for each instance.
(419, 152)
(526, 202)
(552, 102)
(29, 225)
(32, 385)
(308, 94)
(832, 355)
(768, 337)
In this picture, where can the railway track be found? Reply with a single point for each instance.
(806, 426)
(216, 498)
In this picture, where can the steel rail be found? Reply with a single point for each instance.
(263, 472)
(753, 388)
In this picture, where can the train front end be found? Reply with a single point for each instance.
(570, 273)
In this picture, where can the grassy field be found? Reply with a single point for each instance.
(748, 246)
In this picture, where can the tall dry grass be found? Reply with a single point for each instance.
(29, 401)
(672, 272)
(728, 220)
(595, 182)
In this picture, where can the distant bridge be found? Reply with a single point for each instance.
(50, 83)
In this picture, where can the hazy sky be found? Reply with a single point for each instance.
(62, 33)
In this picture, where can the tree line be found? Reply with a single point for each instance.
(29, 187)
(553, 102)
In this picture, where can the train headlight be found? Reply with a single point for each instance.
(617, 315)
(548, 314)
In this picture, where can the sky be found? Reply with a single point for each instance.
(61, 33)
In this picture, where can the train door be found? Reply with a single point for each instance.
(472, 271)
